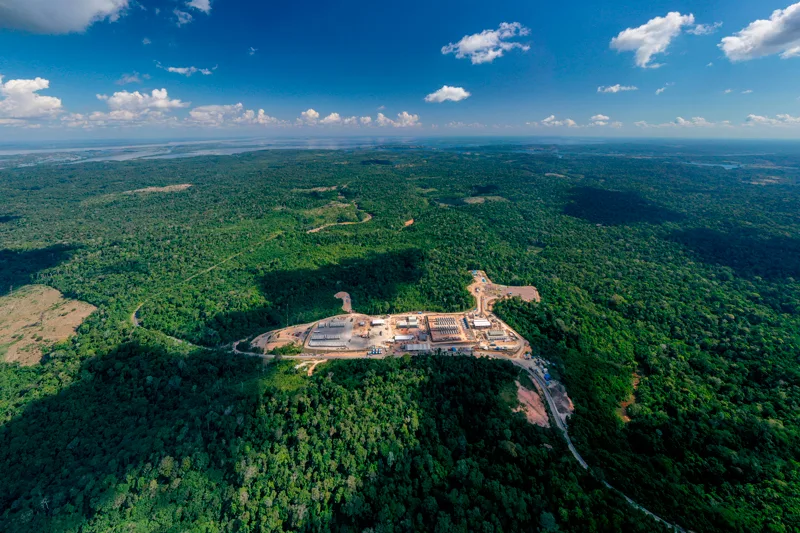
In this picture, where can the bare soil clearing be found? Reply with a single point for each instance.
(532, 405)
(347, 302)
(623, 407)
(408, 223)
(483, 199)
(168, 188)
(554, 175)
(35, 317)
(562, 400)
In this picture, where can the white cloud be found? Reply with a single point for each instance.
(134, 77)
(447, 93)
(350, 121)
(227, 115)
(21, 102)
(182, 17)
(252, 51)
(488, 45)
(728, 91)
(308, 117)
(600, 120)
(779, 120)
(58, 16)
(460, 125)
(616, 124)
(705, 29)
(680, 122)
(652, 38)
(710, 65)
(404, 120)
(748, 91)
(201, 5)
(187, 71)
(146, 41)
(136, 101)
(778, 35)
(664, 88)
(552, 122)
(333, 118)
(616, 88)
(365, 121)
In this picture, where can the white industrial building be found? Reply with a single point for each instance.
(378, 322)
(481, 323)
(403, 338)
(424, 347)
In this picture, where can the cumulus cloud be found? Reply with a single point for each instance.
(229, 115)
(748, 91)
(200, 5)
(146, 41)
(652, 38)
(680, 122)
(447, 93)
(600, 120)
(252, 51)
(616, 88)
(779, 120)
(488, 45)
(333, 118)
(182, 17)
(404, 120)
(136, 101)
(20, 101)
(58, 16)
(308, 117)
(365, 121)
(728, 91)
(778, 35)
(552, 122)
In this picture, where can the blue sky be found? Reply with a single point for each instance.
(85, 70)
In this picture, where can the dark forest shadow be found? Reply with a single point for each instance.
(614, 208)
(136, 411)
(4, 219)
(305, 295)
(19, 268)
(747, 251)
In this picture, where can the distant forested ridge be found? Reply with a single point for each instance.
(681, 280)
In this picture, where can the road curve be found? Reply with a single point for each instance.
(561, 426)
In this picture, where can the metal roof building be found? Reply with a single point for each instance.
(424, 347)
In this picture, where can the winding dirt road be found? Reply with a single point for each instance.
(317, 230)
(563, 428)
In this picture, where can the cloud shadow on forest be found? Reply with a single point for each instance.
(18, 268)
(132, 407)
(305, 295)
(5, 219)
(747, 251)
(616, 208)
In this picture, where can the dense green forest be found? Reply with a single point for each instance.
(687, 277)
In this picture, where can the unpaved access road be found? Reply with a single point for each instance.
(317, 230)
(563, 428)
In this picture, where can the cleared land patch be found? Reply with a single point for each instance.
(35, 317)
(347, 303)
(483, 199)
(168, 188)
(532, 405)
